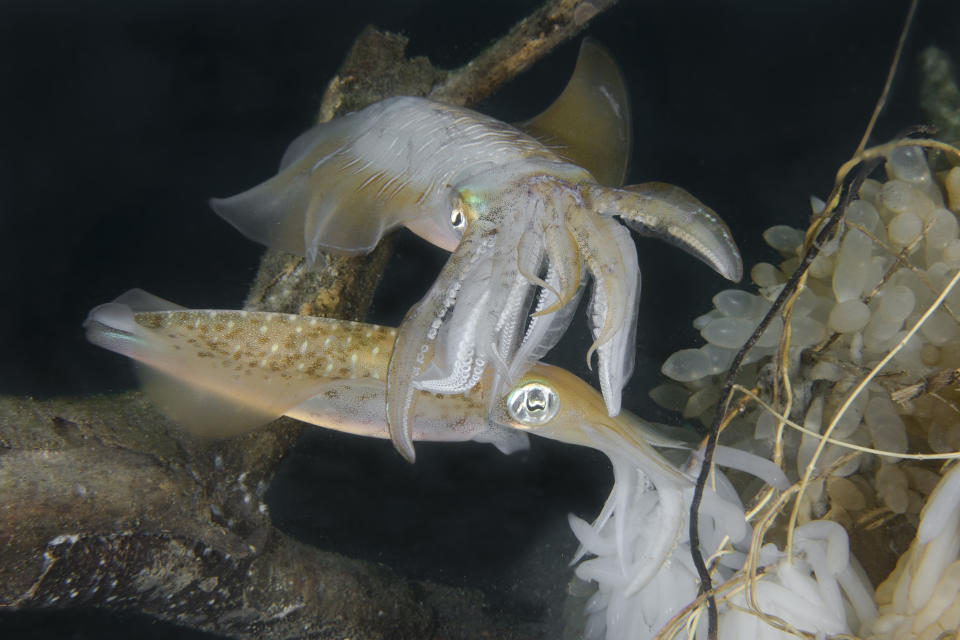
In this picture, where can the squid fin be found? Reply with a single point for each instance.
(139, 301)
(331, 194)
(200, 412)
(589, 124)
(202, 390)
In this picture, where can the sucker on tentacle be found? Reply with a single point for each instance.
(512, 210)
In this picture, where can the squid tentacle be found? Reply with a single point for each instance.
(510, 336)
(456, 350)
(673, 215)
(565, 259)
(410, 351)
(509, 285)
(544, 329)
(530, 244)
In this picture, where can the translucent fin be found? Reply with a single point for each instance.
(139, 300)
(208, 392)
(673, 215)
(589, 124)
(338, 190)
(349, 406)
(205, 413)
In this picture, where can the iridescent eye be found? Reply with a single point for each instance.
(533, 404)
(457, 219)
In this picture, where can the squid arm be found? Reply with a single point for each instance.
(603, 255)
(542, 333)
(615, 357)
(561, 247)
(418, 333)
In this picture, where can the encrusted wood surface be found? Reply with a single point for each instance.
(95, 514)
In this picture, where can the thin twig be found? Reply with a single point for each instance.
(528, 41)
(842, 443)
(882, 101)
(826, 230)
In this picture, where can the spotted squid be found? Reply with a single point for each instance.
(221, 373)
(527, 212)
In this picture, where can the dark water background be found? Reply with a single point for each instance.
(118, 120)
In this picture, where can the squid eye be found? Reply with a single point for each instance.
(457, 219)
(533, 404)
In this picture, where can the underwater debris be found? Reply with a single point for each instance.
(106, 504)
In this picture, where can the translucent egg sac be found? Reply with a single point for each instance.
(896, 250)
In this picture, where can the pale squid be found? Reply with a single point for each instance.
(527, 212)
